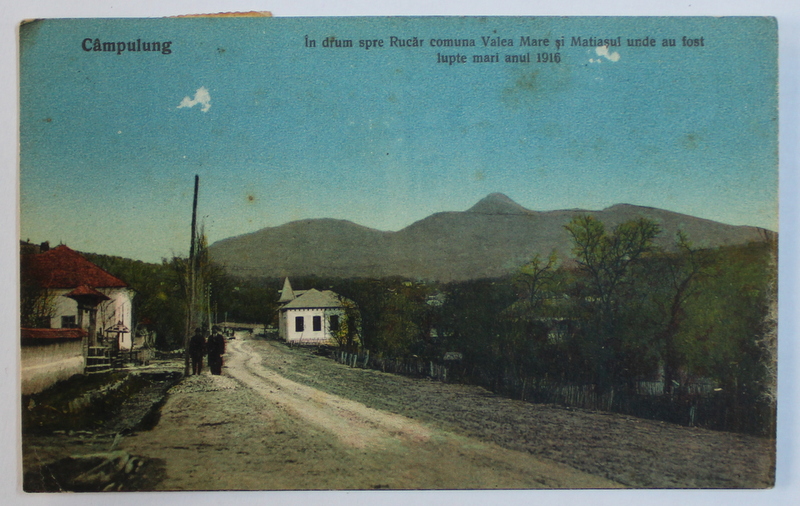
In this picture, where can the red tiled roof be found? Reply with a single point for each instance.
(62, 267)
(86, 290)
(53, 333)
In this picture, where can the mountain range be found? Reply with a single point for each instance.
(492, 238)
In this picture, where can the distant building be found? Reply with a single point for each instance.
(309, 316)
(73, 292)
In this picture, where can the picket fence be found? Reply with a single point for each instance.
(406, 366)
(697, 404)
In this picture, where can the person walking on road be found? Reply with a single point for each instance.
(216, 348)
(197, 349)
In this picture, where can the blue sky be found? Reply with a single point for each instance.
(387, 136)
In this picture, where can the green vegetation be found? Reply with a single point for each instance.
(685, 334)
(161, 295)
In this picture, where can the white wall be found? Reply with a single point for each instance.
(44, 364)
(108, 313)
(308, 335)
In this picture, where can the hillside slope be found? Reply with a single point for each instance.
(492, 238)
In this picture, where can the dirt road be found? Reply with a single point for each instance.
(285, 418)
(254, 428)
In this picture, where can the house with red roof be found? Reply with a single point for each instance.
(79, 294)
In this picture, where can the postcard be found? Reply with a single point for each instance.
(398, 253)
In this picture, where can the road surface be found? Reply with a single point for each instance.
(253, 428)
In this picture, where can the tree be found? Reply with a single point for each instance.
(723, 335)
(37, 306)
(347, 335)
(524, 344)
(679, 277)
(162, 293)
(394, 317)
(370, 295)
(614, 349)
(607, 258)
(399, 325)
(533, 279)
(473, 324)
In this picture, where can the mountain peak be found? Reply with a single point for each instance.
(494, 238)
(497, 203)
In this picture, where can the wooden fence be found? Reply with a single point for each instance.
(406, 366)
(696, 404)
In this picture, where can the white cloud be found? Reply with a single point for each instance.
(201, 96)
(603, 51)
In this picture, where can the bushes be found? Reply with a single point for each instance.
(626, 313)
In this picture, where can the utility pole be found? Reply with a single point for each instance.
(192, 267)
(208, 308)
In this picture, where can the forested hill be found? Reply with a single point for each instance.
(160, 295)
(493, 238)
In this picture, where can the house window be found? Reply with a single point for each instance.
(334, 323)
(317, 323)
(298, 324)
(68, 322)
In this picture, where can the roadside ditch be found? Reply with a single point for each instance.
(70, 431)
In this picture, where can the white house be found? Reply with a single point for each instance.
(309, 316)
(81, 294)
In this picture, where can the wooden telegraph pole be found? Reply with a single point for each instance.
(192, 267)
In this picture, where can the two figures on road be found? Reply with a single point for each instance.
(214, 348)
